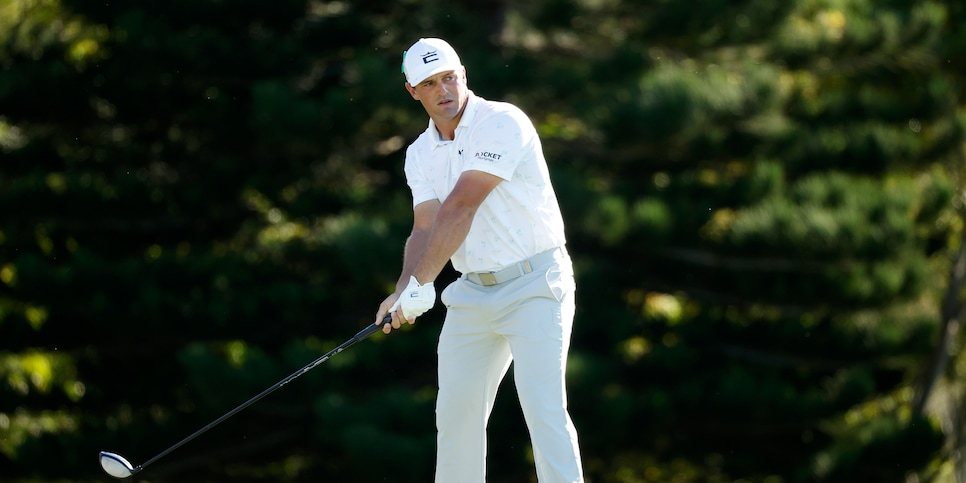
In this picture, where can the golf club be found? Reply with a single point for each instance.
(119, 467)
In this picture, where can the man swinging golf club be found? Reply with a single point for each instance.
(482, 198)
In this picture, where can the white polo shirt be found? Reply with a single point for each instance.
(520, 218)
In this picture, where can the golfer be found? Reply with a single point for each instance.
(482, 198)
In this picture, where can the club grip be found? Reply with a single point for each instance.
(371, 329)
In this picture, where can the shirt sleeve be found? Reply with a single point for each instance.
(500, 142)
(419, 184)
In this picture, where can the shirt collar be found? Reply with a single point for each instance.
(472, 106)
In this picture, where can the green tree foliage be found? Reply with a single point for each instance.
(940, 390)
(771, 198)
(196, 203)
(200, 197)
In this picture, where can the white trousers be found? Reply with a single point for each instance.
(528, 321)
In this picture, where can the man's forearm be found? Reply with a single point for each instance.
(412, 253)
(448, 233)
(446, 227)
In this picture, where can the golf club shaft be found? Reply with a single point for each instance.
(363, 334)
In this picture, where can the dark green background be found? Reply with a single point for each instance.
(763, 201)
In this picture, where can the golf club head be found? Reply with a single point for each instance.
(115, 465)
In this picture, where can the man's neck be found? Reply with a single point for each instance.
(446, 134)
(447, 127)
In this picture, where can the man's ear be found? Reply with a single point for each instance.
(412, 91)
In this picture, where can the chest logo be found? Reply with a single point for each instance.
(488, 155)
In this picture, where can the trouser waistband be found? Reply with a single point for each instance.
(513, 271)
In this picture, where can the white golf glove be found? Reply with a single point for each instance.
(415, 299)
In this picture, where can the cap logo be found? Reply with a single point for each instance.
(426, 58)
(431, 56)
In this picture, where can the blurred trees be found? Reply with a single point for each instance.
(777, 194)
(199, 198)
(939, 387)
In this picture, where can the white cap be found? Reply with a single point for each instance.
(428, 57)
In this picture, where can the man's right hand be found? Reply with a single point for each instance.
(389, 307)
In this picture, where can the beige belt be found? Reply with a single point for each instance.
(513, 271)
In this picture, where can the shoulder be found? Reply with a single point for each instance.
(498, 109)
(496, 115)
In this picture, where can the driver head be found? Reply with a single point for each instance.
(115, 465)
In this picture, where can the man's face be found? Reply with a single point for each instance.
(442, 95)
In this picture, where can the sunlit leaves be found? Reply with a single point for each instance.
(11, 136)
(40, 372)
(30, 27)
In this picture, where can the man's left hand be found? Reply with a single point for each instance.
(415, 299)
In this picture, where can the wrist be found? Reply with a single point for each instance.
(406, 281)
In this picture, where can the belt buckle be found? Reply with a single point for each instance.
(487, 278)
